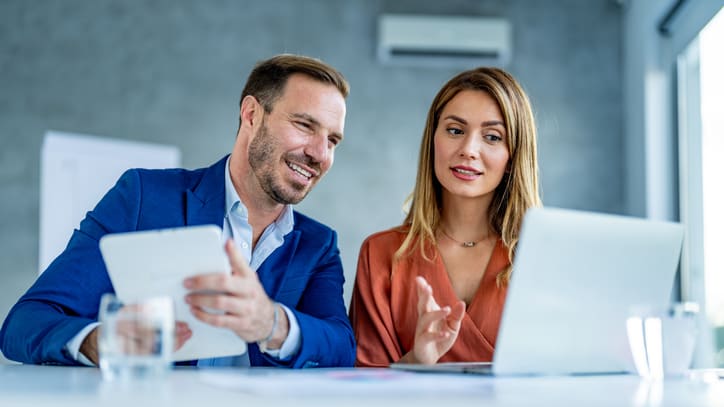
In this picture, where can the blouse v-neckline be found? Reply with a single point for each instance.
(450, 290)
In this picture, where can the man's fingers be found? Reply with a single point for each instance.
(181, 327)
(182, 335)
(234, 301)
(211, 283)
(222, 282)
(220, 320)
(214, 303)
(239, 265)
(89, 346)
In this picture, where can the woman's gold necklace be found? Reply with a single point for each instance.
(463, 244)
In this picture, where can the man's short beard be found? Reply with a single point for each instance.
(261, 160)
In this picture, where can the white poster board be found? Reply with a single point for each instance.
(76, 171)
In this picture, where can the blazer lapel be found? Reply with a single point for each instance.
(205, 201)
(283, 280)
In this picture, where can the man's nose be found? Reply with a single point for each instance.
(317, 148)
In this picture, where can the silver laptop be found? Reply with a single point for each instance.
(575, 279)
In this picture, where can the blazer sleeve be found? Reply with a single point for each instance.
(65, 297)
(370, 309)
(326, 335)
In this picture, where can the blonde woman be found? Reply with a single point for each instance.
(432, 290)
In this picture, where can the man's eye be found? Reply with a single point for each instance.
(303, 125)
(334, 141)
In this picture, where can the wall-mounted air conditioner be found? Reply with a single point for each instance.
(443, 40)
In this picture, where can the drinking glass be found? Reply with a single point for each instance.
(662, 339)
(135, 339)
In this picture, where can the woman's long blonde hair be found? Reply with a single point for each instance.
(517, 191)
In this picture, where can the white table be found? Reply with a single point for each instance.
(26, 385)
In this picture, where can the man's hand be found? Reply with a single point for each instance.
(89, 347)
(437, 328)
(237, 302)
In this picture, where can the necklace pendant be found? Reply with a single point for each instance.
(468, 244)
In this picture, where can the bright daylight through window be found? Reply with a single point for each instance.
(712, 125)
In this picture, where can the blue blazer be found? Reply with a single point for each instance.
(305, 273)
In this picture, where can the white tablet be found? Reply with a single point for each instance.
(155, 263)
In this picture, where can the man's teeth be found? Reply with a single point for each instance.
(300, 170)
(467, 172)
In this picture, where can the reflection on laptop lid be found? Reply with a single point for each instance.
(575, 277)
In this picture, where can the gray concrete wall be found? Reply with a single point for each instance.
(171, 72)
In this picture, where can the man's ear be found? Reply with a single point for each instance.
(250, 111)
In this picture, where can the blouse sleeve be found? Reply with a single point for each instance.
(370, 313)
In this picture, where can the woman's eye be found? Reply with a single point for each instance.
(454, 131)
(493, 137)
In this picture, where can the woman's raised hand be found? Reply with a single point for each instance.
(437, 327)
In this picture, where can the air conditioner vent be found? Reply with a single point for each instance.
(443, 40)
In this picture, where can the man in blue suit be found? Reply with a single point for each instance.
(286, 301)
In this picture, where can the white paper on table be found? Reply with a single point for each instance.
(155, 262)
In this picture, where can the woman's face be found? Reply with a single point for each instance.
(471, 150)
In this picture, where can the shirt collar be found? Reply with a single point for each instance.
(284, 222)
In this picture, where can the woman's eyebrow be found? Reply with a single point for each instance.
(487, 123)
(456, 118)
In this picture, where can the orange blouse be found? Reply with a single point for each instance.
(383, 310)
